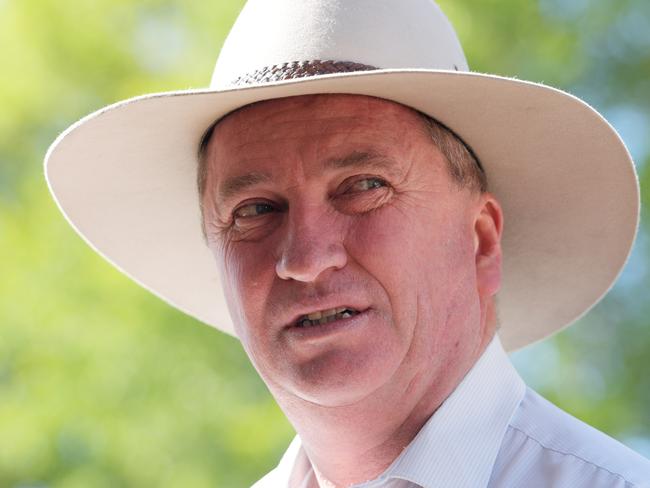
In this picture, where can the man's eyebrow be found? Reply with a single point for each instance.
(236, 184)
(356, 159)
(361, 159)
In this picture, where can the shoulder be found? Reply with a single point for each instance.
(543, 442)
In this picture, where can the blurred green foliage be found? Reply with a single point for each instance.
(102, 385)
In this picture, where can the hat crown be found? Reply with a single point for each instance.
(388, 34)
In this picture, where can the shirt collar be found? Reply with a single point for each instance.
(459, 443)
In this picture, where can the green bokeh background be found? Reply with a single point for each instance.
(102, 385)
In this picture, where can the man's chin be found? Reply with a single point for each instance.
(339, 378)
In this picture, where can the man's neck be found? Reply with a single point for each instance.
(356, 443)
(353, 445)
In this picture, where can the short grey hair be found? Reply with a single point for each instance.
(463, 165)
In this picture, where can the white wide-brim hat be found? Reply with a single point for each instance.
(125, 176)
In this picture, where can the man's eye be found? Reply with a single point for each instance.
(253, 210)
(367, 184)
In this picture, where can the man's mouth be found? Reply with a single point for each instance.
(324, 316)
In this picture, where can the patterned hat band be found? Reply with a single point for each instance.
(299, 69)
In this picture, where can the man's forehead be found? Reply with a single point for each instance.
(243, 143)
(313, 108)
(251, 146)
(347, 123)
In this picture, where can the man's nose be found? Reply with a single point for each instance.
(312, 244)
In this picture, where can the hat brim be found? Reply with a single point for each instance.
(125, 178)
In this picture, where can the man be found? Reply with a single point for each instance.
(343, 182)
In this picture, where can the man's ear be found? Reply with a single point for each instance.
(488, 228)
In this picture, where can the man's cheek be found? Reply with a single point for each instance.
(242, 296)
(379, 234)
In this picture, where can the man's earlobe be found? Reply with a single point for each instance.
(488, 228)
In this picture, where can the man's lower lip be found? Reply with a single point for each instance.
(323, 330)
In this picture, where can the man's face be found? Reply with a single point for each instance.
(329, 203)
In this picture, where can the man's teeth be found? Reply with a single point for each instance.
(325, 316)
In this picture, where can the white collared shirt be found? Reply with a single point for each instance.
(493, 432)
